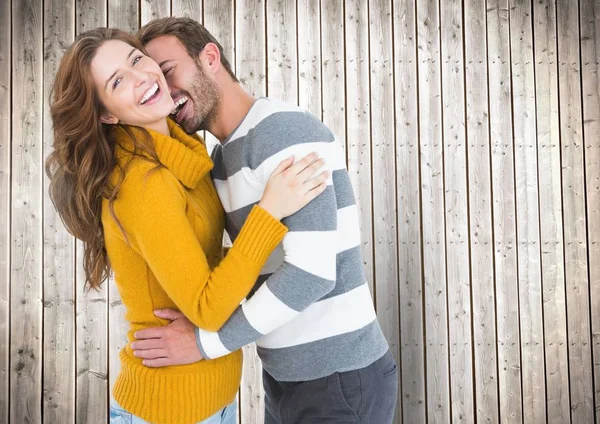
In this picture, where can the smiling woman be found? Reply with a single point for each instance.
(136, 189)
(131, 86)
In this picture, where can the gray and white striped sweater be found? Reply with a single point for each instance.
(311, 313)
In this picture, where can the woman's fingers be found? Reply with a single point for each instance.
(312, 194)
(285, 164)
(311, 170)
(303, 163)
(316, 181)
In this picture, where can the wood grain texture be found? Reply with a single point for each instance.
(332, 68)
(456, 211)
(485, 366)
(384, 174)
(154, 9)
(358, 122)
(527, 209)
(432, 203)
(59, 246)
(5, 206)
(309, 56)
(93, 391)
(282, 81)
(410, 272)
(550, 198)
(589, 18)
(503, 194)
(574, 216)
(124, 14)
(190, 9)
(26, 223)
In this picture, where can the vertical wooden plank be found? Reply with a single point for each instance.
(250, 51)
(189, 9)
(154, 9)
(456, 211)
(251, 71)
(332, 51)
(503, 194)
(551, 229)
(309, 56)
(528, 237)
(573, 180)
(480, 214)
(432, 201)
(122, 14)
(384, 173)
(410, 273)
(26, 231)
(589, 17)
(59, 245)
(219, 19)
(92, 306)
(281, 50)
(358, 139)
(5, 207)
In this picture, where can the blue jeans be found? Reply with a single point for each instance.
(227, 415)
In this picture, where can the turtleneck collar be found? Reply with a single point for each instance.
(184, 155)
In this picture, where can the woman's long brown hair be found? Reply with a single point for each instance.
(83, 160)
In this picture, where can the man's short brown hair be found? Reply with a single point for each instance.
(188, 31)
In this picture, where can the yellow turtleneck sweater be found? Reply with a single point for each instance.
(171, 258)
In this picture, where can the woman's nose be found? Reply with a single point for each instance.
(140, 77)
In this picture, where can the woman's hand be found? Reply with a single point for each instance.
(292, 186)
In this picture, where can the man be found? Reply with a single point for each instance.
(311, 315)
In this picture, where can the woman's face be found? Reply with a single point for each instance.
(131, 86)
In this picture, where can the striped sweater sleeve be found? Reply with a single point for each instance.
(309, 269)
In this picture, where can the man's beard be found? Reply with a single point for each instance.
(206, 100)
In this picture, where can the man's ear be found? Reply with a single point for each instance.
(212, 56)
(107, 118)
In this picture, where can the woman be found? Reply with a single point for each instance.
(136, 189)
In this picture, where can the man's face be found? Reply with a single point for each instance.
(195, 94)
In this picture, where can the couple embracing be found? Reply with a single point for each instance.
(132, 180)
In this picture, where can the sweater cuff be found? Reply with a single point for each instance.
(260, 235)
(209, 344)
(199, 344)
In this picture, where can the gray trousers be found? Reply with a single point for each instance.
(367, 395)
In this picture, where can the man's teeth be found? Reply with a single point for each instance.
(149, 93)
(178, 103)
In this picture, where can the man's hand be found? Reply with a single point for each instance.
(173, 344)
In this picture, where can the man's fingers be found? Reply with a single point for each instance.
(156, 363)
(148, 344)
(150, 354)
(169, 314)
(149, 333)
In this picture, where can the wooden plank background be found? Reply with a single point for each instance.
(471, 130)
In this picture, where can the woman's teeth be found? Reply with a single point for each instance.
(151, 91)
